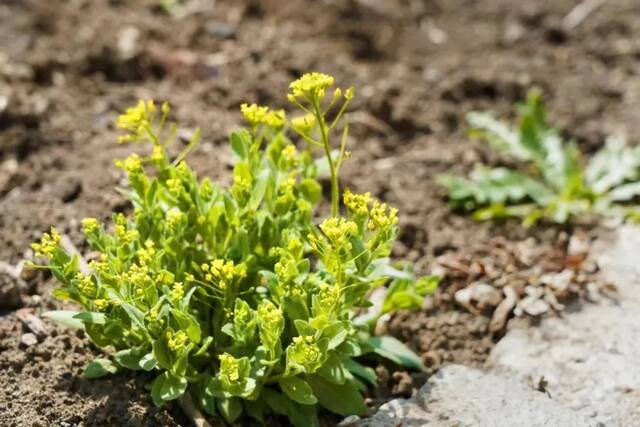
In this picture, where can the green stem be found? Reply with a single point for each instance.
(335, 188)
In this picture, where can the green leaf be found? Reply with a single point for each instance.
(62, 294)
(259, 190)
(336, 334)
(230, 408)
(167, 387)
(156, 389)
(624, 193)
(333, 370)
(128, 358)
(364, 372)
(298, 390)
(188, 324)
(65, 317)
(99, 368)
(427, 285)
(311, 190)
(343, 399)
(392, 349)
(240, 141)
(91, 317)
(276, 401)
(303, 327)
(148, 362)
(161, 353)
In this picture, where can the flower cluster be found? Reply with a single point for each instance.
(48, 244)
(256, 115)
(310, 86)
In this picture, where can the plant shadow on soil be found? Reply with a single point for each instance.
(418, 67)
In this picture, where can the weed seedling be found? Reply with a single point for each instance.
(557, 185)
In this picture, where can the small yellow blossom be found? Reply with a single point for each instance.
(256, 115)
(101, 304)
(304, 352)
(176, 341)
(326, 300)
(310, 86)
(358, 204)
(224, 272)
(174, 217)
(136, 119)
(48, 244)
(177, 291)
(338, 231)
(85, 285)
(289, 152)
(382, 216)
(348, 94)
(229, 367)
(90, 225)
(158, 153)
(131, 164)
(303, 124)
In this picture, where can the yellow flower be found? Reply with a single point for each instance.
(174, 217)
(289, 152)
(256, 115)
(229, 367)
(224, 272)
(304, 352)
(269, 313)
(131, 164)
(348, 95)
(85, 285)
(303, 124)
(158, 153)
(337, 229)
(101, 304)
(382, 216)
(136, 119)
(177, 291)
(310, 86)
(48, 244)
(176, 341)
(326, 299)
(90, 225)
(358, 204)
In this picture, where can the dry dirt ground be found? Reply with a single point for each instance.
(67, 69)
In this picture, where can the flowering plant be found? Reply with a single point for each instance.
(234, 296)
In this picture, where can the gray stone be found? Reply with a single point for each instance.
(460, 396)
(589, 358)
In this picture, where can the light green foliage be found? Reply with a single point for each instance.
(234, 294)
(557, 184)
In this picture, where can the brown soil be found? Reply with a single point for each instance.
(67, 68)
